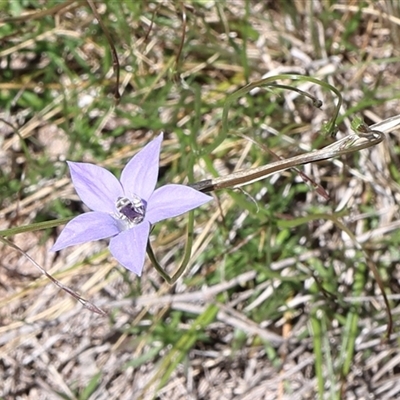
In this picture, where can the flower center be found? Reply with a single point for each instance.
(131, 210)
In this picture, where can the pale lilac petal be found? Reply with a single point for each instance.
(172, 200)
(140, 175)
(129, 247)
(86, 228)
(98, 188)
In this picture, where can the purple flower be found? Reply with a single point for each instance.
(125, 210)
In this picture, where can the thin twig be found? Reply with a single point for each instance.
(114, 54)
(87, 304)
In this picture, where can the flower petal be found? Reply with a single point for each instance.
(129, 247)
(140, 175)
(172, 200)
(86, 228)
(97, 187)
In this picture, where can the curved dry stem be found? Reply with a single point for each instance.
(114, 54)
(374, 270)
(186, 258)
